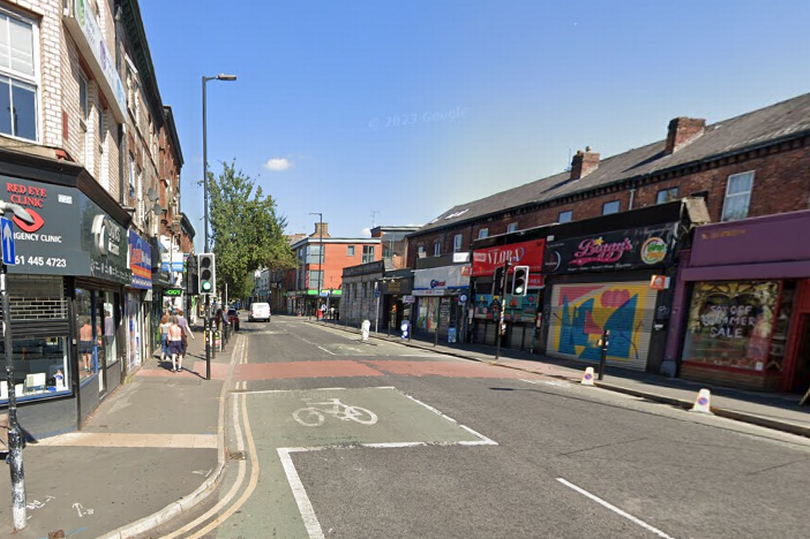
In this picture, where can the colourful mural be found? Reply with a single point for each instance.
(581, 312)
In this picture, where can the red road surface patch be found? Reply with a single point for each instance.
(303, 369)
(218, 372)
(449, 369)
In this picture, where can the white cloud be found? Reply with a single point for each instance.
(366, 233)
(278, 164)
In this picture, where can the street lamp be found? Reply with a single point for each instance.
(205, 79)
(320, 254)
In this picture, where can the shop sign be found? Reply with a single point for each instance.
(527, 253)
(172, 260)
(172, 292)
(105, 241)
(438, 281)
(408, 299)
(397, 286)
(140, 261)
(612, 251)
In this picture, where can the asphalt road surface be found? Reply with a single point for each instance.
(331, 437)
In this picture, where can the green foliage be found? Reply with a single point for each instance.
(246, 232)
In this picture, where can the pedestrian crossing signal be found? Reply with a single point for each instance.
(206, 273)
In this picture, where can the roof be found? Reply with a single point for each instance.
(764, 127)
(316, 239)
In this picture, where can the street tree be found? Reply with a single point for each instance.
(247, 232)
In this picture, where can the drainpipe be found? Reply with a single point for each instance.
(632, 196)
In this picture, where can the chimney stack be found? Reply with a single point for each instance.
(318, 230)
(682, 131)
(584, 163)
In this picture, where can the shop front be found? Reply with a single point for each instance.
(745, 293)
(521, 312)
(442, 294)
(397, 285)
(140, 337)
(66, 301)
(604, 282)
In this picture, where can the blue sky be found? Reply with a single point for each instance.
(409, 108)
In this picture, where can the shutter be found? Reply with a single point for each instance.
(580, 313)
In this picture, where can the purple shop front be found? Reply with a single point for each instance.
(738, 308)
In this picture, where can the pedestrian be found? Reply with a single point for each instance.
(186, 333)
(86, 344)
(175, 339)
(165, 322)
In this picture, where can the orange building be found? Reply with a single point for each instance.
(316, 282)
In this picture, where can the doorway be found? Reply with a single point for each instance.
(801, 375)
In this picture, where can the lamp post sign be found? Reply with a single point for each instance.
(7, 234)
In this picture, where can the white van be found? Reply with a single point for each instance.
(259, 311)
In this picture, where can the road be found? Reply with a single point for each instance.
(337, 438)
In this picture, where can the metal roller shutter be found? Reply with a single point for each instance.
(580, 313)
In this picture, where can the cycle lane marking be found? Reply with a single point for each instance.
(615, 509)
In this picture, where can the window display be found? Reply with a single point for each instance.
(40, 367)
(730, 324)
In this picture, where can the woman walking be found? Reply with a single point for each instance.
(175, 338)
(165, 323)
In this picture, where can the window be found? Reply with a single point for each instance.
(420, 251)
(350, 250)
(512, 227)
(457, 239)
(738, 196)
(18, 85)
(315, 280)
(314, 254)
(666, 195)
(131, 176)
(483, 233)
(437, 248)
(611, 207)
(84, 100)
(565, 216)
(368, 254)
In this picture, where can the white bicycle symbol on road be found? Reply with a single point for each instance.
(315, 413)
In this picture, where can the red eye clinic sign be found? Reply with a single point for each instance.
(527, 253)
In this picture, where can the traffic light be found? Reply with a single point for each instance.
(497, 281)
(206, 273)
(520, 281)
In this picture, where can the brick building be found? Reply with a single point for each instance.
(321, 259)
(80, 150)
(751, 165)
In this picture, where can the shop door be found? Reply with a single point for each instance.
(99, 313)
(801, 376)
(581, 312)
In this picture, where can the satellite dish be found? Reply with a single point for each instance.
(152, 194)
(157, 208)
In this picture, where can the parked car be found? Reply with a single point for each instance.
(233, 318)
(259, 311)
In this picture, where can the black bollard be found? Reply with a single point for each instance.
(603, 345)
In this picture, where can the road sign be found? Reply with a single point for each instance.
(7, 232)
(463, 298)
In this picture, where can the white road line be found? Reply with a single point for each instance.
(327, 351)
(484, 439)
(259, 391)
(300, 494)
(615, 509)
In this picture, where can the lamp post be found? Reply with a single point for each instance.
(205, 79)
(320, 255)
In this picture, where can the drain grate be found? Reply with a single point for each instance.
(236, 455)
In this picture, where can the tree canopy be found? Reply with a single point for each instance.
(247, 233)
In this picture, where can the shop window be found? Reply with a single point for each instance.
(611, 207)
(41, 368)
(565, 216)
(666, 195)
(18, 85)
(730, 324)
(738, 196)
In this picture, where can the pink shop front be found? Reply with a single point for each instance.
(742, 306)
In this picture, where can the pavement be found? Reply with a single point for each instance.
(771, 410)
(133, 465)
(132, 458)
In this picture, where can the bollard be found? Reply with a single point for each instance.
(366, 327)
(603, 345)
